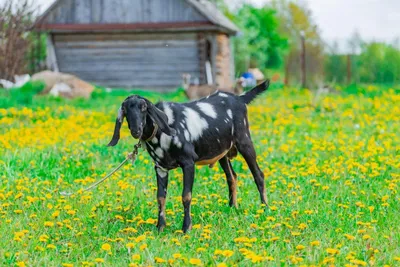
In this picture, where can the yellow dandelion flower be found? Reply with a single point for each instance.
(332, 251)
(200, 249)
(106, 247)
(51, 246)
(366, 237)
(135, 257)
(315, 243)
(130, 245)
(159, 260)
(350, 237)
(300, 247)
(48, 224)
(194, 261)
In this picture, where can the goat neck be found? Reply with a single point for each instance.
(150, 130)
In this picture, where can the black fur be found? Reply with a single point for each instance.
(249, 96)
(205, 131)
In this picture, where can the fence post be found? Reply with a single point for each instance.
(349, 70)
(303, 60)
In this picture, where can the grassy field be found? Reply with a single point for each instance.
(332, 176)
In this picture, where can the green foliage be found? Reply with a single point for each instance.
(27, 96)
(36, 56)
(21, 96)
(336, 68)
(259, 45)
(377, 63)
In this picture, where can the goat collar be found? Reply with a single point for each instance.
(153, 134)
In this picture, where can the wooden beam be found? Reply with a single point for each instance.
(119, 26)
(51, 60)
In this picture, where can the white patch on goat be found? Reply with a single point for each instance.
(226, 120)
(217, 129)
(218, 141)
(161, 173)
(247, 135)
(120, 115)
(229, 113)
(177, 142)
(195, 123)
(187, 136)
(183, 125)
(170, 114)
(154, 140)
(160, 153)
(223, 95)
(143, 144)
(232, 129)
(245, 122)
(165, 141)
(207, 109)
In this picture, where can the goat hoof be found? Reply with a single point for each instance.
(233, 205)
(161, 225)
(160, 228)
(187, 226)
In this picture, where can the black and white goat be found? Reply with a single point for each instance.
(202, 132)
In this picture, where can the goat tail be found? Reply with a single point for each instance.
(249, 96)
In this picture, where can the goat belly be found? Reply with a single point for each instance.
(213, 160)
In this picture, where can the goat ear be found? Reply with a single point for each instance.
(160, 118)
(117, 129)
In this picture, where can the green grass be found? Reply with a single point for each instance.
(332, 177)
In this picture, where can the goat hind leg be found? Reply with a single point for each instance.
(246, 148)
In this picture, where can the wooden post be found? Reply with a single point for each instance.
(38, 51)
(33, 60)
(303, 60)
(287, 70)
(348, 69)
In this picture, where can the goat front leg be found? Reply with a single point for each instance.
(162, 184)
(188, 179)
(231, 178)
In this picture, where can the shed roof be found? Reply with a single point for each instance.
(210, 11)
(205, 7)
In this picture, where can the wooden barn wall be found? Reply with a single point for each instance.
(123, 11)
(223, 62)
(154, 61)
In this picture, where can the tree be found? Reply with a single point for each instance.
(379, 63)
(259, 45)
(295, 19)
(16, 18)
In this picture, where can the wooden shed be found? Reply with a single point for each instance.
(139, 43)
